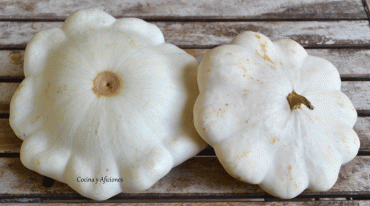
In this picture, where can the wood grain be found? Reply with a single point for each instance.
(246, 202)
(188, 9)
(10, 143)
(209, 34)
(6, 92)
(337, 30)
(347, 61)
(358, 93)
(197, 177)
(11, 62)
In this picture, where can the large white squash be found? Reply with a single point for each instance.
(106, 105)
(275, 115)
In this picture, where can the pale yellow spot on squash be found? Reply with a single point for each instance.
(272, 66)
(97, 128)
(274, 140)
(290, 172)
(244, 69)
(243, 155)
(244, 93)
(131, 42)
(264, 51)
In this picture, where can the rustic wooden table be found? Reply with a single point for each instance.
(336, 30)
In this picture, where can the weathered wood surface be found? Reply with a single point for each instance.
(188, 9)
(11, 62)
(9, 143)
(6, 92)
(248, 203)
(337, 30)
(347, 61)
(358, 92)
(209, 34)
(199, 176)
(232, 203)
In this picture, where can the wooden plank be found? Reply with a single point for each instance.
(246, 202)
(209, 34)
(190, 9)
(347, 61)
(10, 143)
(197, 177)
(6, 92)
(11, 62)
(357, 91)
(362, 128)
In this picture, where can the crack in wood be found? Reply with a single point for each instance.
(367, 9)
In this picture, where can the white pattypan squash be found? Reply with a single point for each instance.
(106, 105)
(275, 115)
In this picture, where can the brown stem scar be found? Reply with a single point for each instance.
(107, 84)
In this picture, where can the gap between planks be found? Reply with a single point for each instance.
(367, 8)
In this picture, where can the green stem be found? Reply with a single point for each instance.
(295, 101)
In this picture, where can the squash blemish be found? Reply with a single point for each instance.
(274, 140)
(264, 51)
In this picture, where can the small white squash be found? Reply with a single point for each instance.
(106, 105)
(275, 115)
